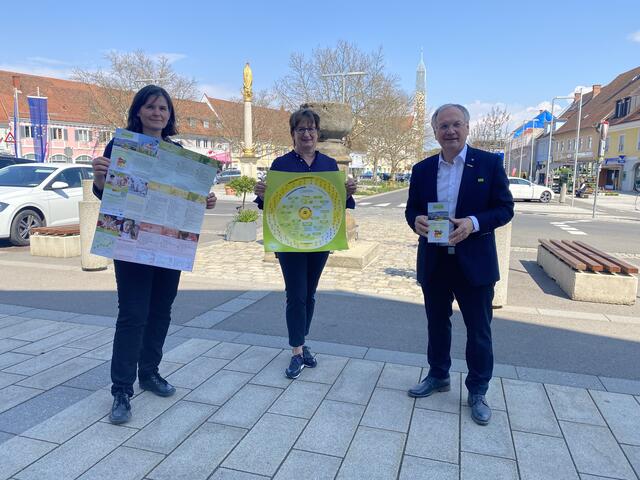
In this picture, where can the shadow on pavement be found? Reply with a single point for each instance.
(374, 322)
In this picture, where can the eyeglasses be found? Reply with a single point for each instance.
(302, 130)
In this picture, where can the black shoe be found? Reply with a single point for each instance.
(158, 385)
(295, 367)
(121, 409)
(430, 385)
(308, 358)
(480, 410)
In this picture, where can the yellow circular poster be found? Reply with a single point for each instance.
(303, 213)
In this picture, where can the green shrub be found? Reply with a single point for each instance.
(246, 216)
(243, 185)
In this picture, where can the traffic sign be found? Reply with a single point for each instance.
(9, 138)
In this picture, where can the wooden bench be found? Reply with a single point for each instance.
(588, 274)
(62, 231)
(61, 242)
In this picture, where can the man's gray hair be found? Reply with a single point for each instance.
(464, 111)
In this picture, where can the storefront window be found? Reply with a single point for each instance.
(636, 178)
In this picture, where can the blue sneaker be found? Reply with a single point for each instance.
(295, 367)
(307, 356)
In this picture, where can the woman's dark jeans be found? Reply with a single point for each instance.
(145, 296)
(301, 271)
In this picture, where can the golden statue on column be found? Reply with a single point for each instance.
(248, 160)
(247, 91)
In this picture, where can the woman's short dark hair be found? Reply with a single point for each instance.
(303, 113)
(133, 121)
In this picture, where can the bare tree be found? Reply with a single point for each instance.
(387, 130)
(111, 90)
(382, 112)
(491, 131)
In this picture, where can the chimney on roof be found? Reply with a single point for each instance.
(596, 89)
(576, 96)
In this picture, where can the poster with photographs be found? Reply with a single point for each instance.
(153, 202)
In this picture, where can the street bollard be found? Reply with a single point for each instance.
(563, 192)
(89, 208)
(503, 247)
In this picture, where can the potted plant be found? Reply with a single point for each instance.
(244, 226)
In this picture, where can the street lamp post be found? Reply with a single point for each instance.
(546, 175)
(575, 156)
(344, 76)
(521, 152)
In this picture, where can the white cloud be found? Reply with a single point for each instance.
(519, 114)
(35, 69)
(223, 92)
(47, 61)
(172, 57)
(635, 36)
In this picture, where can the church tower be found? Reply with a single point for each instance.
(420, 108)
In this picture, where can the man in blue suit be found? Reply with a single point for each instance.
(474, 185)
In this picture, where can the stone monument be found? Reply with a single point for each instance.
(336, 122)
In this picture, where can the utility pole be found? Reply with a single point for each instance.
(344, 76)
(603, 128)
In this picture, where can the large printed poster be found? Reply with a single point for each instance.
(153, 202)
(304, 212)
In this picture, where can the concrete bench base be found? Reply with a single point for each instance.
(55, 246)
(359, 255)
(616, 288)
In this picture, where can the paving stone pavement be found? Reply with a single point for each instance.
(235, 415)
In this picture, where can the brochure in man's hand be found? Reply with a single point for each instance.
(438, 213)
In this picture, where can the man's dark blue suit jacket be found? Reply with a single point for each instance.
(484, 193)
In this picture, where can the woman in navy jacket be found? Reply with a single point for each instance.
(145, 293)
(302, 270)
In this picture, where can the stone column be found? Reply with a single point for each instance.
(88, 209)
(503, 246)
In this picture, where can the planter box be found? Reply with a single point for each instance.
(242, 231)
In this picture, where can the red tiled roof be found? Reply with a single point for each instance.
(269, 124)
(595, 109)
(73, 102)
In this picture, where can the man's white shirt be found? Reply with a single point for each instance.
(448, 184)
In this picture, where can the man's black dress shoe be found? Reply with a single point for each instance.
(480, 410)
(158, 385)
(430, 385)
(121, 409)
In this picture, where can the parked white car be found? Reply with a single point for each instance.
(522, 189)
(36, 195)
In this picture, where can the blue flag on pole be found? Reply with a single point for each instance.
(39, 121)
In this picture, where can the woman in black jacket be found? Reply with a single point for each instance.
(145, 293)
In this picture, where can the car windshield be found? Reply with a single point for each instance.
(24, 176)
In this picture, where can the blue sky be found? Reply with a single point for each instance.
(479, 53)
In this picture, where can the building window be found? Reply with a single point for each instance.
(562, 146)
(105, 136)
(589, 143)
(83, 135)
(606, 144)
(622, 107)
(205, 123)
(192, 122)
(26, 131)
(84, 159)
(59, 158)
(638, 146)
(58, 133)
(621, 143)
